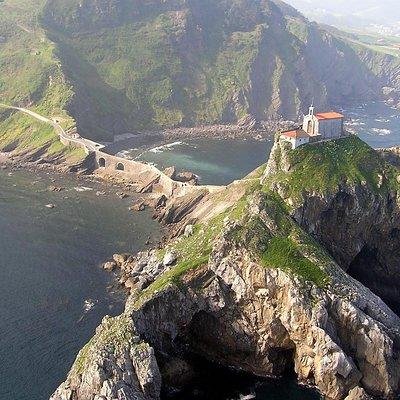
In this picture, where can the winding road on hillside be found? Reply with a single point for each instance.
(89, 145)
(93, 147)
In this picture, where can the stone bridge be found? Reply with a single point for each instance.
(146, 176)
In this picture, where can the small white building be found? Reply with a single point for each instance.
(328, 125)
(321, 126)
(296, 137)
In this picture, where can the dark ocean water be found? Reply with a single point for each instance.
(52, 293)
(376, 123)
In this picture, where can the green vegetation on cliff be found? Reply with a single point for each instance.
(272, 237)
(30, 76)
(323, 167)
(113, 67)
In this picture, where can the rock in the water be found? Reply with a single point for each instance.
(139, 205)
(120, 258)
(110, 265)
(122, 195)
(188, 177)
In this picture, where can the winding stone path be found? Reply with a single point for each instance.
(137, 170)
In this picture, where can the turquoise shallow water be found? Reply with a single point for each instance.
(216, 162)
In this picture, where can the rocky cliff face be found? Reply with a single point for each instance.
(249, 287)
(115, 364)
(356, 218)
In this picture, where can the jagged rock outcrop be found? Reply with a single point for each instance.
(251, 289)
(115, 364)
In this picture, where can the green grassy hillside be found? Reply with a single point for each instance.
(323, 167)
(117, 66)
(30, 76)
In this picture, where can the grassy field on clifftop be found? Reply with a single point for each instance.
(323, 167)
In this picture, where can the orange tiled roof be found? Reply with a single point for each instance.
(296, 134)
(329, 115)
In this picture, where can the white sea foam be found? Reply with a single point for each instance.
(160, 149)
(355, 122)
(381, 132)
(83, 189)
(247, 396)
(89, 304)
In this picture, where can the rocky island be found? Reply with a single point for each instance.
(280, 271)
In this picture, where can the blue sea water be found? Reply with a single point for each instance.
(52, 292)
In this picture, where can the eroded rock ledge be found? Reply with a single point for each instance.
(247, 287)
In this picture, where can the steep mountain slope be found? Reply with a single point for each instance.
(31, 75)
(122, 65)
(259, 283)
(184, 62)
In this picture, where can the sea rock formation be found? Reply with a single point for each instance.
(254, 287)
(116, 364)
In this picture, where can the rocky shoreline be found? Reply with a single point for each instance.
(246, 128)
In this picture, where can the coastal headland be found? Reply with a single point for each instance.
(264, 278)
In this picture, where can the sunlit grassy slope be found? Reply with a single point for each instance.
(30, 76)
